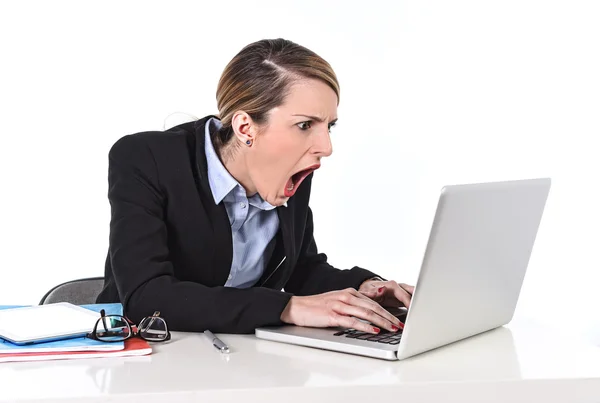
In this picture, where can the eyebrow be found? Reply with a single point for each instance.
(317, 118)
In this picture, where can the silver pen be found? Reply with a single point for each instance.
(219, 345)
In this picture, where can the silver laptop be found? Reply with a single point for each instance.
(470, 279)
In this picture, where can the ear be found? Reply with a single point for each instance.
(243, 127)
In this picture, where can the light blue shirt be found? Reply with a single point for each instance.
(254, 222)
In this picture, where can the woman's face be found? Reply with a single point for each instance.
(292, 142)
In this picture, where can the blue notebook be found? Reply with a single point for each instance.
(76, 344)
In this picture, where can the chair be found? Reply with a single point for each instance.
(77, 292)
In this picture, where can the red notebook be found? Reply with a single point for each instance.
(133, 347)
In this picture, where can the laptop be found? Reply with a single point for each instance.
(470, 278)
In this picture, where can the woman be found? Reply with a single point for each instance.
(210, 222)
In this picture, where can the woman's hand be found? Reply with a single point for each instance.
(388, 293)
(339, 308)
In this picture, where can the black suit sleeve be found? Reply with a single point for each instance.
(313, 275)
(139, 256)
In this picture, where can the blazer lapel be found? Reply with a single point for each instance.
(275, 262)
(287, 231)
(283, 253)
(223, 252)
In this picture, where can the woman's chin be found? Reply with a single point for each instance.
(277, 201)
(281, 200)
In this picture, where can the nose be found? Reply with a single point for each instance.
(322, 146)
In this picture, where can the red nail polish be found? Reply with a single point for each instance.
(395, 327)
(376, 330)
(401, 325)
(380, 290)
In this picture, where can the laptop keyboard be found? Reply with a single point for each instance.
(384, 336)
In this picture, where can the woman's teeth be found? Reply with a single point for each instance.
(291, 187)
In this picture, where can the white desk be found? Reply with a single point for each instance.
(518, 363)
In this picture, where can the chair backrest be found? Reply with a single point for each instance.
(77, 292)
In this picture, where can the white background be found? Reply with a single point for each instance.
(433, 93)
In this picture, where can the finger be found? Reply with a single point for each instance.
(381, 311)
(401, 295)
(379, 295)
(371, 284)
(363, 302)
(366, 313)
(353, 323)
(371, 292)
(408, 288)
(377, 291)
(372, 295)
(374, 292)
(374, 300)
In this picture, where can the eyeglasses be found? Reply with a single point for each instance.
(113, 328)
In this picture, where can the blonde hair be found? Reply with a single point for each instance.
(259, 78)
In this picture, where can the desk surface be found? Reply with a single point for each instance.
(519, 362)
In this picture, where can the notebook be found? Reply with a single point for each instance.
(73, 344)
(43, 323)
(133, 347)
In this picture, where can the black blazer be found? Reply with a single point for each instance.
(170, 246)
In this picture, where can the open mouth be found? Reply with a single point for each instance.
(294, 182)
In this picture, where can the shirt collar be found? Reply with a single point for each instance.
(219, 179)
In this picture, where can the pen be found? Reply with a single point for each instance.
(219, 345)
